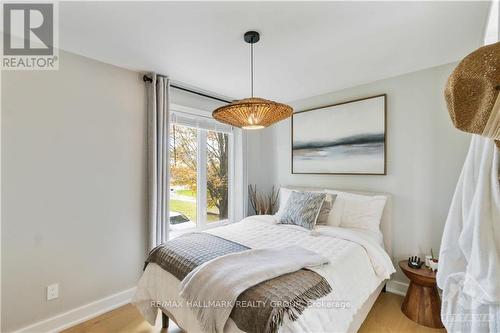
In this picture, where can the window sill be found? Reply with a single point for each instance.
(176, 233)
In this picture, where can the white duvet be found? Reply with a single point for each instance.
(358, 264)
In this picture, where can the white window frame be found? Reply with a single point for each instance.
(201, 172)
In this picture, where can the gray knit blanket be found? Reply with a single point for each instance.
(289, 294)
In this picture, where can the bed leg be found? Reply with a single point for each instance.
(385, 288)
(164, 320)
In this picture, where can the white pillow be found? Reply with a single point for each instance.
(284, 196)
(357, 211)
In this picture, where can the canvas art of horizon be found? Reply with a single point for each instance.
(345, 138)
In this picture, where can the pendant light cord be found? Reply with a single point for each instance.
(251, 67)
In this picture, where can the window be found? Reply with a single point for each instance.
(217, 176)
(183, 177)
(200, 173)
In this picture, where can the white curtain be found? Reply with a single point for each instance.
(158, 160)
(469, 260)
(240, 175)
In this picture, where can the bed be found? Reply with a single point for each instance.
(359, 267)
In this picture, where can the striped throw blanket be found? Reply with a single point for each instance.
(288, 294)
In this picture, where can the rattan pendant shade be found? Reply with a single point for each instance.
(253, 112)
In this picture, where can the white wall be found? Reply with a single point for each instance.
(73, 186)
(425, 154)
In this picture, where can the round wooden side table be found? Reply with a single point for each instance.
(422, 303)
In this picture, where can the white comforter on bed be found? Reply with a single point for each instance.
(358, 264)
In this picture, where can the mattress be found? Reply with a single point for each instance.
(358, 266)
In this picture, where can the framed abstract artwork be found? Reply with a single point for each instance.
(346, 138)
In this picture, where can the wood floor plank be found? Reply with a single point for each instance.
(384, 317)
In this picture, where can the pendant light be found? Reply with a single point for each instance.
(253, 112)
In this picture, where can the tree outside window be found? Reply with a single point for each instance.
(183, 161)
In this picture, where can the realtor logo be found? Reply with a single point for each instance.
(29, 36)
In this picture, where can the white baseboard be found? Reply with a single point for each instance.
(396, 287)
(94, 309)
(80, 314)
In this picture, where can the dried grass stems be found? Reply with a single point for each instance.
(263, 204)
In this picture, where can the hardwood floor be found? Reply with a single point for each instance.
(384, 317)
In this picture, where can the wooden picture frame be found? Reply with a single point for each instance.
(356, 143)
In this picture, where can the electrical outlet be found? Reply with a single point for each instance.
(52, 291)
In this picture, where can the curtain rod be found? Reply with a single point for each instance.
(148, 79)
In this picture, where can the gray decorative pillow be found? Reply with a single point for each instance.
(302, 209)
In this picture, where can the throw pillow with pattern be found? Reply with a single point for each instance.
(302, 209)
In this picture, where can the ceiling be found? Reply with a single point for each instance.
(306, 48)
